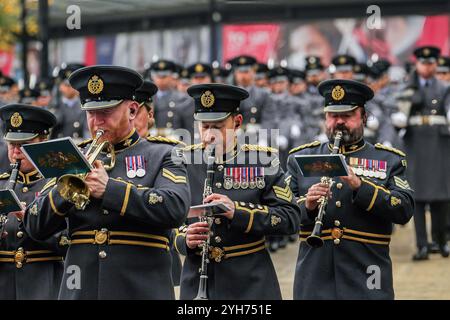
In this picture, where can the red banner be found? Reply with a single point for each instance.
(6, 61)
(436, 32)
(258, 40)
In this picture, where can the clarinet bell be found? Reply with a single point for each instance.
(314, 241)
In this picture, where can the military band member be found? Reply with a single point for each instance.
(184, 81)
(221, 75)
(28, 96)
(363, 207)
(166, 99)
(361, 73)
(199, 73)
(29, 269)
(120, 241)
(250, 182)
(144, 119)
(424, 114)
(312, 115)
(258, 107)
(261, 75)
(143, 122)
(8, 90)
(45, 87)
(71, 120)
(297, 81)
(443, 69)
(343, 66)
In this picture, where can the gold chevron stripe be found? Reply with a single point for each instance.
(284, 190)
(169, 175)
(283, 193)
(401, 183)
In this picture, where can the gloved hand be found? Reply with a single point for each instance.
(399, 120)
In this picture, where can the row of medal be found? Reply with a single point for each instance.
(369, 168)
(135, 166)
(243, 178)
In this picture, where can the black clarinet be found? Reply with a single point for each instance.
(202, 293)
(15, 167)
(314, 240)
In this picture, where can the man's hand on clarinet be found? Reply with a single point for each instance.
(315, 192)
(196, 234)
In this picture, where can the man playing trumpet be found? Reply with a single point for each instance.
(120, 241)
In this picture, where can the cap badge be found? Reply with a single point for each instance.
(162, 65)
(198, 68)
(342, 60)
(207, 99)
(312, 59)
(426, 52)
(95, 85)
(242, 60)
(338, 93)
(16, 120)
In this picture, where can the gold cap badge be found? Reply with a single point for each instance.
(338, 93)
(162, 65)
(242, 60)
(426, 52)
(198, 68)
(16, 120)
(207, 99)
(95, 85)
(342, 60)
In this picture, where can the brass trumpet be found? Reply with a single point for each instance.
(72, 186)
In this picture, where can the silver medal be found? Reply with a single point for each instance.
(131, 174)
(140, 172)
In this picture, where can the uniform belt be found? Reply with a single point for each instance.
(21, 256)
(427, 120)
(337, 234)
(219, 253)
(106, 237)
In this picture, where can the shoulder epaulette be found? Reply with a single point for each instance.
(49, 184)
(304, 146)
(164, 140)
(255, 147)
(4, 175)
(194, 147)
(391, 149)
(84, 143)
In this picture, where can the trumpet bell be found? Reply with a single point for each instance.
(72, 188)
